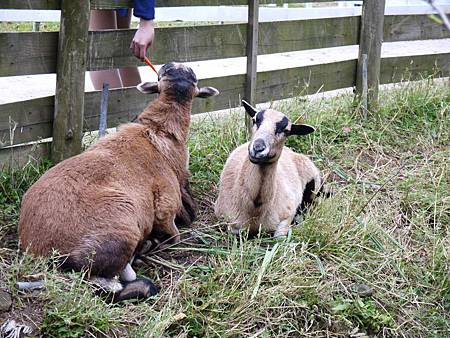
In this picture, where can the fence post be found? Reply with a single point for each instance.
(70, 74)
(252, 56)
(370, 41)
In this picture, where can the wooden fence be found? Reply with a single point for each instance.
(71, 111)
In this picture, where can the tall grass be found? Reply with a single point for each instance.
(371, 260)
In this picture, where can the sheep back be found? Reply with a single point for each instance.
(105, 199)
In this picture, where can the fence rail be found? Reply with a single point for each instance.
(34, 118)
(113, 4)
(37, 53)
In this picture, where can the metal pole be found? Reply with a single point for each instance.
(103, 110)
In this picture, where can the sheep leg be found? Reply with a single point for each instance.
(166, 207)
(127, 274)
(282, 229)
(118, 291)
(104, 256)
(165, 235)
(186, 215)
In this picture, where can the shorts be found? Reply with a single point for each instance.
(122, 11)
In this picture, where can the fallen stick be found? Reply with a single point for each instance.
(30, 285)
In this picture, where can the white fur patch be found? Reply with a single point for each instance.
(108, 284)
(282, 229)
(235, 231)
(128, 274)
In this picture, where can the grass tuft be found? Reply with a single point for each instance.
(373, 259)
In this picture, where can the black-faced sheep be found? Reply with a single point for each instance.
(263, 182)
(98, 207)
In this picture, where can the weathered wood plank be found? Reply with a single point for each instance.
(412, 27)
(26, 121)
(410, 68)
(110, 49)
(35, 53)
(111, 4)
(291, 82)
(27, 4)
(125, 104)
(70, 74)
(371, 39)
(17, 157)
(28, 53)
(284, 36)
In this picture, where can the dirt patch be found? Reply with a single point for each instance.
(27, 309)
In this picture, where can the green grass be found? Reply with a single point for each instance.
(6, 26)
(385, 231)
(21, 26)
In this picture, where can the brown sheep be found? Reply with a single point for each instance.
(263, 182)
(98, 207)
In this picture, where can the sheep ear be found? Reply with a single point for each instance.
(205, 92)
(249, 108)
(148, 87)
(301, 129)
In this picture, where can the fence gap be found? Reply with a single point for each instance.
(252, 57)
(70, 77)
(36, 26)
(371, 39)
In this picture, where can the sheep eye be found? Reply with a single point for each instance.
(281, 126)
(259, 118)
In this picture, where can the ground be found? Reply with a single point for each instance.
(373, 259)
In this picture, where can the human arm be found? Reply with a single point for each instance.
(143, 38)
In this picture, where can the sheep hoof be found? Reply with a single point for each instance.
(138, 289)
(280, 234)
(117, 291)
(279, 238)
(128, 274)
(235, 231)
(298, 219)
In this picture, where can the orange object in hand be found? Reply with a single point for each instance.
(147, 61)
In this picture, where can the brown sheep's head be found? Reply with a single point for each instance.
(178, 82)
(270, 130)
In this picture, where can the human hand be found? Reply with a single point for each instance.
(143, 38)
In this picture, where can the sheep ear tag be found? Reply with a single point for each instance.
(205, 92)
(301, 129)
(148, 87)
(249, 108)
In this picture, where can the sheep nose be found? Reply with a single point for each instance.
(259, 146)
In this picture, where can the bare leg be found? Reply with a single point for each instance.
(129, 76)
(100, 20)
